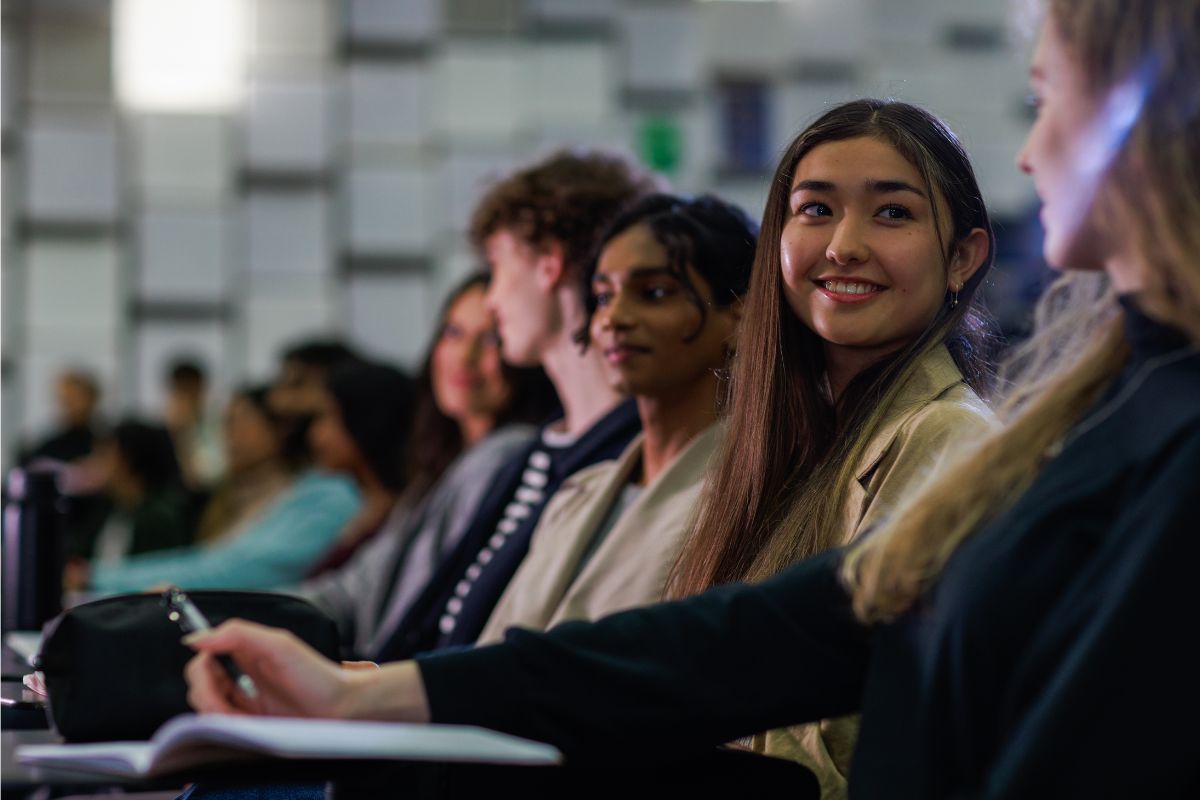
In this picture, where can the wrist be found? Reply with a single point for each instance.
(394, 692)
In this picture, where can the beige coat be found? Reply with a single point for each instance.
(630, 566)
(934, 412)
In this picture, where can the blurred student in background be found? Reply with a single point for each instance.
(361, 429)
(473, 413)
(77, 425)
(194, 430)
(284, 543)
(145, 509)
(261, 464)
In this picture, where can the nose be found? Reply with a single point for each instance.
(1023, 162)
(615, 314)
(848, 245)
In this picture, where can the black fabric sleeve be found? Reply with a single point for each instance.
(1119, 717)
(674, 677)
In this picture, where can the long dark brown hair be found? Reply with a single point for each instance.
(776, 492)
(437, 439)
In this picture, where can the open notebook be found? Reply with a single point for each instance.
(191, 740)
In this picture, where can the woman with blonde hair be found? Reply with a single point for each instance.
(1016, 630)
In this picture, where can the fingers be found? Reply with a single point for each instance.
(209, 687)
(235, 635)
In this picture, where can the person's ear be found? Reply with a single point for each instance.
(550, 267)
(968, 257)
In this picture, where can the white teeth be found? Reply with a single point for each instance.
(844, 287)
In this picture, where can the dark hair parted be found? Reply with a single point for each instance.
(777, 492)
(437, 438)
(566, 199)
(716, 238)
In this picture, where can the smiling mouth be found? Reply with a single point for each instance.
(619, 354)
(850, 287)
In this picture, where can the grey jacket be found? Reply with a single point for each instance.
(380, 581)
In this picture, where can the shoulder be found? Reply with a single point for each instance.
(957, 411)
(579, 490)
(497, 448)
(322, 487)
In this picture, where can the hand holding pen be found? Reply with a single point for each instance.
(181, 610)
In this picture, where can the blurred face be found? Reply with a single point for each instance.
(298, 390)
(647, 327)
(862, 264)
(467, 374)
(250, 439)
(332, 446)
(1063, 153)
(74, 400)
(520, 301)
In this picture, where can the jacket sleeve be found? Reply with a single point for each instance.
(1118, 718)
(679, 676)
(921, 443)
(276, 551)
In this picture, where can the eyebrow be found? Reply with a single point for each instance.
(876, 186)
(636, 272)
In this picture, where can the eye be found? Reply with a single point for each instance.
(658, 292)
(450, 331)
(601, 297)
(894, 213)
(814, 209)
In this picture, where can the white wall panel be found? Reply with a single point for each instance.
(391, 209)
(390, 105)
(480, 90)
(397, 21)
(72, 170)
(663, 46)
(288, 125)
(288, 233)
(571, 83)
(391, 315)
(74, 285)
(292, 30)
(183, 255)
(183, 158)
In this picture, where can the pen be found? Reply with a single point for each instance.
(181, 610)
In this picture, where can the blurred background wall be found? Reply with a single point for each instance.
(219, 177)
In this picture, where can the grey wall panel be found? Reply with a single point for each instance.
(184, 255)
(390, 105)
(392, 209)
(72, 169)
(288, 232)
(182, 159)
(288, 126)
(391, 315)
(393, 21)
